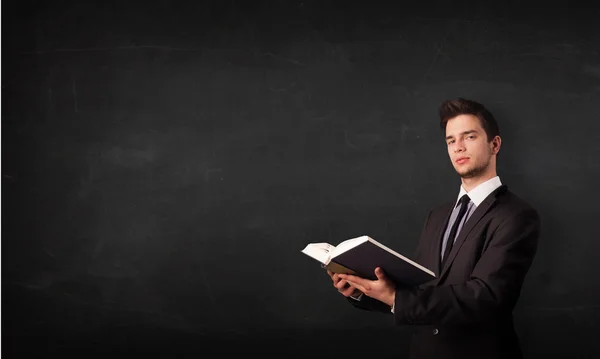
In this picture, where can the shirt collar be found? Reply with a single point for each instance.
(479, 193)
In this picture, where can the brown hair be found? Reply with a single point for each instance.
(460, 106)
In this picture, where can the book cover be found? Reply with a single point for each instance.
(363, 254)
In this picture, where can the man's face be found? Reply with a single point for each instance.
(469, 150)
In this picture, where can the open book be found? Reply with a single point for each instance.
(361, 255)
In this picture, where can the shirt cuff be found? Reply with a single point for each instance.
(357, 298)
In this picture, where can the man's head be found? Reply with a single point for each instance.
(472, 136)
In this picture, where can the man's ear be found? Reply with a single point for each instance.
(495, 144)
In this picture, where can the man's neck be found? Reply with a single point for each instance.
(469, 183)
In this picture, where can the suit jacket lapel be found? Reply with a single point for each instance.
(480, 211)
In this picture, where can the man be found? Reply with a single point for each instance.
(480, 248)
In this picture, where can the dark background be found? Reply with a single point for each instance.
(164, 163)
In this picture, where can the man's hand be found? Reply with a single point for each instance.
(381, 289)
(343, 286)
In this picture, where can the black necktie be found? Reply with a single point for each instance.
(464, 203)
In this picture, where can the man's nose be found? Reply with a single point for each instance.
(459, 147)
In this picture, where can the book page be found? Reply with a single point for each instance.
(338, 268)
(319, 251)
(347, 244)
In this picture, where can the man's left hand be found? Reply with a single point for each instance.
(381, 289)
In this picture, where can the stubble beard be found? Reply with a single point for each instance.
(473, 172)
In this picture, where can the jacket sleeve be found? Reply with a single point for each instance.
(492, 289)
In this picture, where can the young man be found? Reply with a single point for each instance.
(480, 246)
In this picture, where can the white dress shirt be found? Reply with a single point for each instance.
(476, 196)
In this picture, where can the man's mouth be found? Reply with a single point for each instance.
(462, 160)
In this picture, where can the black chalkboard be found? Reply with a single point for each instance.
(164, 163)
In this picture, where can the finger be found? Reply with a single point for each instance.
(379, 273)
(336, 278)
(357, 286)
(354, 279)
(341, 285)
(350, 291)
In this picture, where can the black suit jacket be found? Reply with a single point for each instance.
(466, 312)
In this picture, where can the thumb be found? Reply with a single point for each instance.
(379, 273)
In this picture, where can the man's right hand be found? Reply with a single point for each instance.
(342, 286)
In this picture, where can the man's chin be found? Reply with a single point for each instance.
(468, 173)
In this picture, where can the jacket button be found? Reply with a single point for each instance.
(435, 331)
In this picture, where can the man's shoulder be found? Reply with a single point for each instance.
(511, 203)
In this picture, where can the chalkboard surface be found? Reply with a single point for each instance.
(164, 163)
